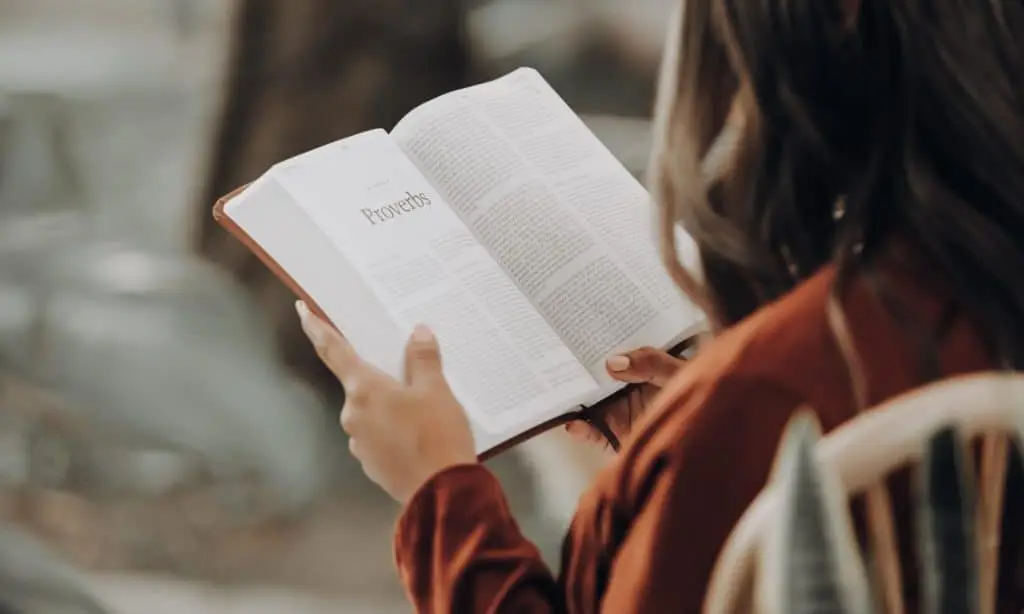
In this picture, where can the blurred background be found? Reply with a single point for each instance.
(168, 442)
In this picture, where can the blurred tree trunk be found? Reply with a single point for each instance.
(304, 73)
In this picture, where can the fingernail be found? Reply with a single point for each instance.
(618, 363)
(422, 334)
(310, 325)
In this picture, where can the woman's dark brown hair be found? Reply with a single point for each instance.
(855, 123)
(858, 122)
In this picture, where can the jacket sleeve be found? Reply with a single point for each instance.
(644, 540)
(458, 549)
(685, 497)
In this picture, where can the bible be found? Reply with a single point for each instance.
(493, 215)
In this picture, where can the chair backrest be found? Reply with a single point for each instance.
(856, 459)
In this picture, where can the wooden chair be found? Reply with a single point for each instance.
(860, 454)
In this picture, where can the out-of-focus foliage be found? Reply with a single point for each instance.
(145, 354)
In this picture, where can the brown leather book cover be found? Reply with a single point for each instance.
(228, 224)
(236, 231)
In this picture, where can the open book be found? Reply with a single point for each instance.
(493, 215)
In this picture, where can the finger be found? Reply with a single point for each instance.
(645, 365)
(348, 420)
(579, 429)
(423, 359)
(583, 432)
(334, 350)
(365, 394)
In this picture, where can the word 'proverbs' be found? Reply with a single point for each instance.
(412, 202)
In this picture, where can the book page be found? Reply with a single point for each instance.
(269, 215)
(504, 361)
(569, 223)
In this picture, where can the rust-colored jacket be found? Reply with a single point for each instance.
(646, 535)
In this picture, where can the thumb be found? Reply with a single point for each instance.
(644, 366)
(423, 358)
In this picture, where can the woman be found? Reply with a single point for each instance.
(861, 240)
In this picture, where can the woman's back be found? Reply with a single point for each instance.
(879, 170)
(705, 449)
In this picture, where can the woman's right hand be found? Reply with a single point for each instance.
(648, 369)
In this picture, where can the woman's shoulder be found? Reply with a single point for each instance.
(735, 397)
(786, 346)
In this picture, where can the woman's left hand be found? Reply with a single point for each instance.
(402, 432)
